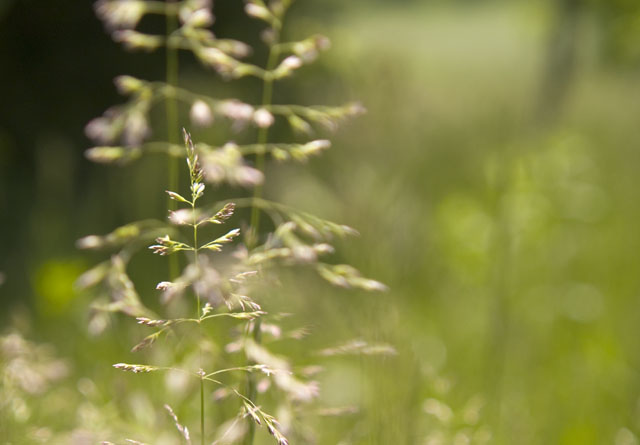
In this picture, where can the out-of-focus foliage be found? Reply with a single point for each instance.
(620, 29)
(510, 241)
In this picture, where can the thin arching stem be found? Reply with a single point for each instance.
(263, 137)
(174, 172)
(198, 313)
(171, 109)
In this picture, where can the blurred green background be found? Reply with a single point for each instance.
(494, 181)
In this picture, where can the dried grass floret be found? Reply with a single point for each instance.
(120, 13)
(182, 429)
(135, 368)
(152, 323)
(356, 347)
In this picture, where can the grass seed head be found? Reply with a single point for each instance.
(134, 368)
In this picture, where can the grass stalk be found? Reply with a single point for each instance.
(263, 136)
(198, 314)
(171, 110)
(254, 225)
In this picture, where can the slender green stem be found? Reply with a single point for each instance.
(202, 411)
(198, 314)
(254, 226)
(263, 136)
(171, 109)
(237, 368)
(169, 9)
(174, 172)
(209, 379)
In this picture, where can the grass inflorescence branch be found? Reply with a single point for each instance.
(226, 276)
